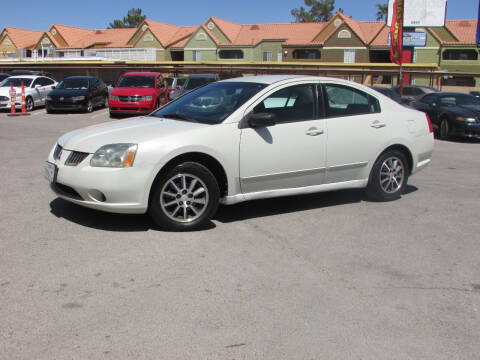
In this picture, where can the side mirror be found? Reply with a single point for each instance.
(261, 120)
(434, 104)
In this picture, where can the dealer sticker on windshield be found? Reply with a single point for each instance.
(50, 172)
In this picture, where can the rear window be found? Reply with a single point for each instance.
(194, 82)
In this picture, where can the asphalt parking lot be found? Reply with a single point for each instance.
(328, 276)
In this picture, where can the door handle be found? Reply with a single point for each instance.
(313, 131)
(377, 125)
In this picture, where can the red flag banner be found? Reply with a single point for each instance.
(396, 32)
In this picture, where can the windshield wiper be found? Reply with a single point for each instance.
(178, 117)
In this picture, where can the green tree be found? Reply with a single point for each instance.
(320, 10)
(382, 11)
(132, 20)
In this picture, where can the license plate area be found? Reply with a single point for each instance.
(50, 172)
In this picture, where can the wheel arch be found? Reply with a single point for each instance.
(404, 150)
(204, 159)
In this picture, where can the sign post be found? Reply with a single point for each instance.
(396, 36)
(13, 95)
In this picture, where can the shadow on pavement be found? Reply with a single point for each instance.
(225, 214)
(106, 221)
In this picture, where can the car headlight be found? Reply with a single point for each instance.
(466, 119)
(114, 98)
(78, 98)
(49, 97)
(114, 155)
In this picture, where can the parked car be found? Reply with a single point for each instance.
(79, 93)
(4, 76)
(413, 92)
(175, 84)
(36, 89)
(388, 92)
(136, 93)
(452, 114)
(31, 72)
(193, 81)
(243, 139)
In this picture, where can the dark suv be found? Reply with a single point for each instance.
(194, 81)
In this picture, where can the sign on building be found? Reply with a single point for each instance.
(424, 13)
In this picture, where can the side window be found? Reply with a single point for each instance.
(342, 100)
(38, 81)
(181, 81)
(429, 99)
(293, 103)
(47, 81)
(448, 101)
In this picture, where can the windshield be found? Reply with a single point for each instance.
(72, 84)
(194, 82)
(467, 100)
(137, 81)
(210, 104)
(17, 82)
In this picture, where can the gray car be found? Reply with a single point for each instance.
(193, 81)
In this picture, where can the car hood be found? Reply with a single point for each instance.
(5, 91)
(473, 109)
(136, 131)
(132, 91)
(68, 92)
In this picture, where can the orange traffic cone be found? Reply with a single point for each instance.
(24, 107)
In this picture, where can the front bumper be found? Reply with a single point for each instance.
(141, 107)
(469, 130)
(65, 105)
(117, 190)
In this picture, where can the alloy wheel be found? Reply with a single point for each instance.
(392, 174)
(184, 198)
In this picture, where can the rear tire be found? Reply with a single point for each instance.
(388, 177)
(184, 198)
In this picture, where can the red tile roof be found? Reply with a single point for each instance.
(22, 38)
(464, 30)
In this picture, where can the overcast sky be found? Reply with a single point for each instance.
(95, 14)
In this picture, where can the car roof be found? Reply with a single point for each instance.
(271, 79)
(204, 75)
(26, 76)
(140, 73)
(80, 77)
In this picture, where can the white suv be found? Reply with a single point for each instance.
(243, 139)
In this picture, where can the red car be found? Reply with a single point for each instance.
(136, 93)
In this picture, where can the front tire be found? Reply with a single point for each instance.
(444, 129)
(89, 106)
(184, 198)
(29, 104)
(388, 177)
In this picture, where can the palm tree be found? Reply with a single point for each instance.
(320, 10)
(382, 11)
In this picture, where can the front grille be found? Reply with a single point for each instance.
(75, 158)
(4, 98)
(129, 98)
(57, 153)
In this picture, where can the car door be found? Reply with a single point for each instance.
(46, 85)
(289, 154)
(36, 91)
(356, 132)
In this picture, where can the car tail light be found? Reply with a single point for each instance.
(430, 127)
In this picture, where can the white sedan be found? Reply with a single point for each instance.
(36, 90)
(243, 139)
